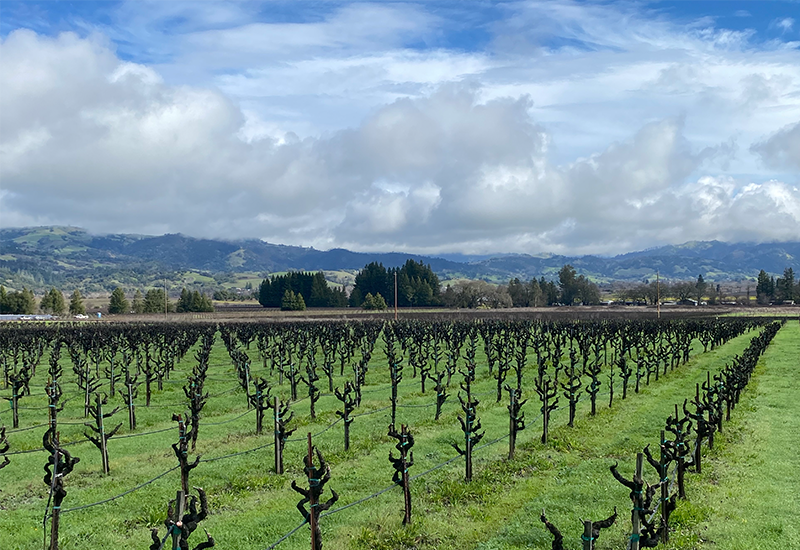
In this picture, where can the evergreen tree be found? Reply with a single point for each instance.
(519, 293)
(193, 301)
(155, 301)
(417, 285)
(787, 285)
(534, 293)
(292, 301)
(700, 286)
(356, 298)
(376, 302)
(339, 297)
(373, 279)
(76, 306)
(20, 302)
(321, 294)
(311, 286)
(48, 301)
(184, 302)
(765, 289)
(549, 291)
(138, 302)
(567, 280)
(118, 304)
(57, 303)
(588, 292)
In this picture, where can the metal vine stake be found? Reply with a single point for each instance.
(183, 516)
(181, 523)
(667, 455)
(401, 465)
(317, 478)
(591, 531)
(644, 534)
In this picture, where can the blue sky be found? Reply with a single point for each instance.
(476, 127)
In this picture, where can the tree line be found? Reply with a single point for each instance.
(417, 286)
(780, 290)
(769, 290)
(23, 302)
(571, 289)
(156, 300)
(298, 289)
(650, 292)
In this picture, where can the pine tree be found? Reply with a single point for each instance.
(57, 303)
(138, 302)
(321, 295)
(287, 302)
(184, 302)
(45, 304)
(117, 303)
(155, 301)
(76, 306)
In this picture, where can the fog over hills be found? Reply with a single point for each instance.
(42, 256)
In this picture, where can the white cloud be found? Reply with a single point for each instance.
(785, 24)
(582, 128)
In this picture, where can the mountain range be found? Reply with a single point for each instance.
(40, 257)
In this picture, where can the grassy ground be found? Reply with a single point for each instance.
(251, 507)
(747, 498)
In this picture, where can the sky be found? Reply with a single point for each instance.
(429, 127)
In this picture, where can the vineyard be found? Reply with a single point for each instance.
(428, 433)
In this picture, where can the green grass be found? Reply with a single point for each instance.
(749, 488)
(251, 507)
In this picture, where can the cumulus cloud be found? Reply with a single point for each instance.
(89, 139)
(781, 150)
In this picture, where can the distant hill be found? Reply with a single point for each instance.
(43, 256)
